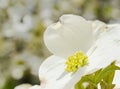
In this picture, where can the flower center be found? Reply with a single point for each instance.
(74, 62)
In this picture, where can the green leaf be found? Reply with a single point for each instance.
(106, 71)
(103, 76)
(105, 85)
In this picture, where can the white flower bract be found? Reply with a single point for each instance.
(73, 33)
(100, 42)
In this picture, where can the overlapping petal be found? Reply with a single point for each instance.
(51, 69)
(53, 75)
(72, 33)
(106, 48)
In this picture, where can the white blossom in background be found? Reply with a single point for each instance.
(46, 7)
(19, 29)
(4, 3)
(19, 24)
(28, 61)
(21, 20)
(18, 18)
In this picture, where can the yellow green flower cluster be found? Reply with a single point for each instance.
(76, 61)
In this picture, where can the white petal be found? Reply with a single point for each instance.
(23, 86)
(51, 69)
(35, 87)
(74, 78)
(98, 27)
(107, 49)
(67, 80)
(53, 76)
(72, 33)
(116, 80)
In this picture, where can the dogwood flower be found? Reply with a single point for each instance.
(100, 42)
(79, 47)
(65, 38)
(52, 72)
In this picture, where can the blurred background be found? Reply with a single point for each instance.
(22, 23)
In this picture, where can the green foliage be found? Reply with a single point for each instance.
(10, 83)
(104, 77)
